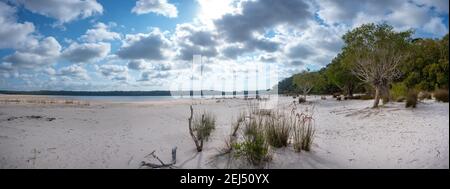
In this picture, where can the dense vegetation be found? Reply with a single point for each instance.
(380, 62)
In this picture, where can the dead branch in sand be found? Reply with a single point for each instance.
(198, 142)
(162, 164)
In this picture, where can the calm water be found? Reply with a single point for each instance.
(129, 98)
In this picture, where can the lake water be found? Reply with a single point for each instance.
(133, 98)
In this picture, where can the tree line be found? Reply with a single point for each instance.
(378, 61)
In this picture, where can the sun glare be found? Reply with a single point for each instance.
(213, 9)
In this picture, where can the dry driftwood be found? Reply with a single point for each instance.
(198, 142)
(162, 164)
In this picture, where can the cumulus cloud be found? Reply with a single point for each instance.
(343, 11)
(417, 14)
(436, 26)
(100, 32)
(409, 15)
(149, 75)
(64, 11)
(86, 52)
(114, 72)
(148, 46)
(439, 5)
(74, 71)
(50, 71)
(12, 33)
(233, 51)
(255, 20)
(161, 7)
(193, 40)
(137, 64)
(45, 52)
(258, 16)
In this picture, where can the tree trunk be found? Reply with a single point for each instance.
(350, 91)
(377, 97)
(385, 94)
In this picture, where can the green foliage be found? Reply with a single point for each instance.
(305, 81)
(254, 147)
(441, 95)
(427, 68)
(340, 74)
(286, 86)
(398, 91)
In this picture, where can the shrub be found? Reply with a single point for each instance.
(400, 99)
(411, 99)
(301, 100)
(254, 146)
(398, 90)
(277, 129)
(441, 95)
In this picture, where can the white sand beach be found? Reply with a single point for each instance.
(349, 134)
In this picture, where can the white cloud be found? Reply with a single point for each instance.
(436, 26)
(46, 52)
(192, 40)
(74, 71)
(114, 72)
(86, 52)
(439, 5)
(161, 7)
(50, 71)
(150, 46)
(100, 32)
(420, 15)
(12, 33)
(139, 64)
(64, 11)
(153, 75)
(408, 16)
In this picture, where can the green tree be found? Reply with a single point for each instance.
(339, 73)
(305, 81)
(427, 67)
(376, 52)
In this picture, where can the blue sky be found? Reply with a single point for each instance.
(149, 44)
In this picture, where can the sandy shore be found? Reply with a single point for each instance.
(34, 134)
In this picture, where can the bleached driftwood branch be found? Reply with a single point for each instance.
(162, 164)
(198, 142)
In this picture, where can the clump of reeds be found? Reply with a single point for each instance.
(277, 129)
(303, 131)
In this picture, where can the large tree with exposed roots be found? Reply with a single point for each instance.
(376, 52)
